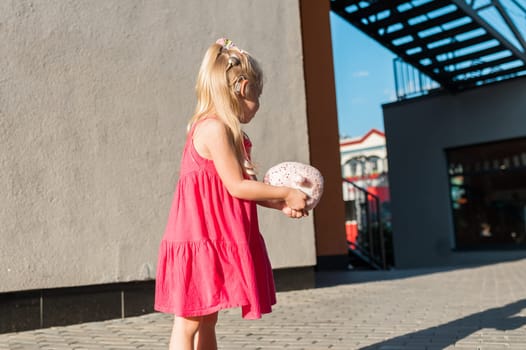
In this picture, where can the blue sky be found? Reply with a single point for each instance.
(364, 78)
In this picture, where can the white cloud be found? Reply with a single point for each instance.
(360, 74)
(359, 100)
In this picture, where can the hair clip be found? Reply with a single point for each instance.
(233, 61)
(228, 44)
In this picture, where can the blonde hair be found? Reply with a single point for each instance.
(220, 71)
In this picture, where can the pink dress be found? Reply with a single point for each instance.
(212, 255)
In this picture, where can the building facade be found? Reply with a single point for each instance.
(95, 97)
(364, 162)
(464, 202)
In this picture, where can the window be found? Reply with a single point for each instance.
(354, 166)
(373, 167)
(488, 194)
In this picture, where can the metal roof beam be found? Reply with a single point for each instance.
(377, 7)
(475, 16)
(450, 33)
(472, 56)
(499, 73)
(415, 29)
(389, 45)
(519, 5)
(476, 67)
(397, 16)
(341, 5)
(451, 47)
(431, 45)
(506, 17)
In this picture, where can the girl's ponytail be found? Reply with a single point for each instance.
(217, 88)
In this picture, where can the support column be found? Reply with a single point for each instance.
(329, 216)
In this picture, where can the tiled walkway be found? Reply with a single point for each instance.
(470, 308)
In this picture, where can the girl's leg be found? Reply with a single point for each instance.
(206, 336)
(183, 333)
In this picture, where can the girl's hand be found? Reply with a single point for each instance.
(294, 214)
(295, 199)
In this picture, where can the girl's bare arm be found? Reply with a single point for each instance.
(212, 141)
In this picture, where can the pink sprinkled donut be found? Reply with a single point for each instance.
(297, 175)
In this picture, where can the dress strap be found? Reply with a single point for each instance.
(190, 147)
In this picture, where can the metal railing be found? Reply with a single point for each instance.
(410, 82)
(370, 243)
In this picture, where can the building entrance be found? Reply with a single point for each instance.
(488, 194)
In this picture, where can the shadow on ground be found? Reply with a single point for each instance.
(500, 318)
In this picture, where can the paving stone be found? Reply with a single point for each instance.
(482, 308)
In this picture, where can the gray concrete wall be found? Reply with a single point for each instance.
(418, 131)
(94, 100)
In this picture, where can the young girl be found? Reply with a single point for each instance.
(212, 255)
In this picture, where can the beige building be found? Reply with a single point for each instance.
(364, 162)
(94, 100)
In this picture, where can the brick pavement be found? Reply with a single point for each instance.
(470, 308)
